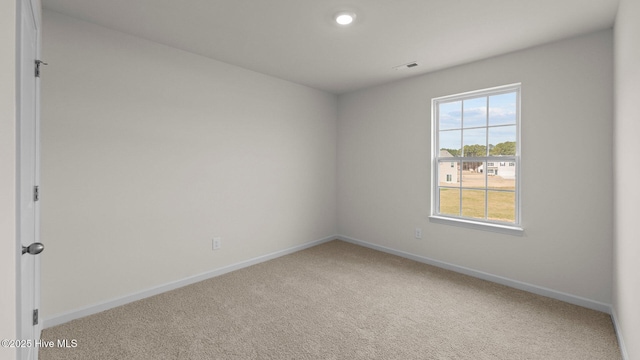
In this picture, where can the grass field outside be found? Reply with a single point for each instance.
(498, 198)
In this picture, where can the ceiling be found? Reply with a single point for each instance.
(297, 40)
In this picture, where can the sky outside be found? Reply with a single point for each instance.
(466, 122)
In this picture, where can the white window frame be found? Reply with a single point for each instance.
(483, 224)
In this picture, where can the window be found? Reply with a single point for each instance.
(478, 133)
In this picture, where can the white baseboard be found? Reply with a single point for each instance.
(99, 307)
(572, 299)
(109, 304)
(539, 290)
(616, 326)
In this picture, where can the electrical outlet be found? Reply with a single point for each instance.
(217, 242)
(418, 233)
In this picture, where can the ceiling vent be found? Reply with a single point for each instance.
(406, 66)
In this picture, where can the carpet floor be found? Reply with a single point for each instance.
(340, 301)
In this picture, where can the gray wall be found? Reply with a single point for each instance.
(8, 152)
(148, 152)
(626, 294)
(384, 147)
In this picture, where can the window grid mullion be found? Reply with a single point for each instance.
(478, 127)
(488, 152)
(508, 158)
(461, 162)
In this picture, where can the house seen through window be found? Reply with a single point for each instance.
(477, 155)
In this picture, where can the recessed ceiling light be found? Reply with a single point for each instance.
(345, 18)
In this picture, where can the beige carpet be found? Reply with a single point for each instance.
(340, 301)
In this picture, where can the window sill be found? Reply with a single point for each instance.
(477, 225)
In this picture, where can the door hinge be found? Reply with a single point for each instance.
(36, 193)
(35, 317)
(38, 63)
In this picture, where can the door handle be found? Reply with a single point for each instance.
(33, 249)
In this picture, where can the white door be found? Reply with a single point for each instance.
(29, 173)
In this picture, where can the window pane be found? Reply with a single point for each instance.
(475, 142)
(502, 109)
(472, 175)
(502, 175)
(450, 202)
(450, 142)
(448, 173)
(502, 206)
(473, 203)
(475, 112)
(502, 140)
(477, 137)
(450, 115)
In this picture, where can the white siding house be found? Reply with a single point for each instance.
(504, 169)
(448, 170)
